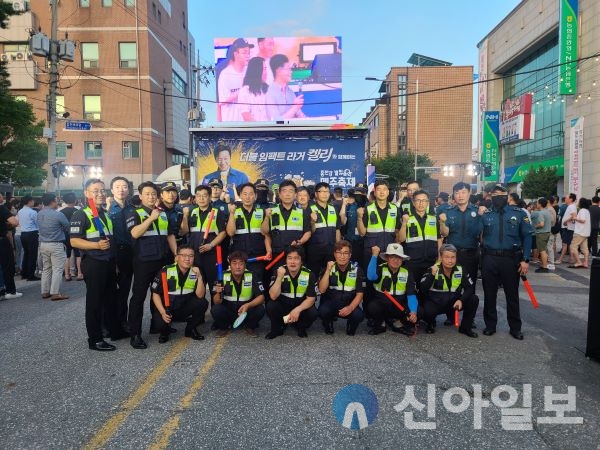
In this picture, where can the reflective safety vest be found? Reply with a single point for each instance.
(241, 224)
(230, 292)
(284, 233)
(349, 284)
(378, 233)
(440, 282)
(414, 233)
(175, 289)
(325, 226)
(197, 226)
(301, 284)
(92, 233)
(398, 288)
(160, 229)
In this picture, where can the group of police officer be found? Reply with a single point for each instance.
(395, 263)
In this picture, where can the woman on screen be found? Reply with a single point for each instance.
(251, 99)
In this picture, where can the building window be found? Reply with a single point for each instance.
(179, 83)
(154, 10)
(60, 105)
(91, 107)
(106, 3)
(159, 17)
(84, 3)
(131, 149)
(129, 3)
(61, 149)
(93, 149)
(376, 121)
(183, 19)
(127, 55)
(22, 98)
(89, 55)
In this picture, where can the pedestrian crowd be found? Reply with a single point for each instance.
(295, 254)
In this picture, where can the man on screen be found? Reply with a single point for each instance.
(228, 175)
(231, 79)
(282, 103)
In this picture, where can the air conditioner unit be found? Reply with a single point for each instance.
(4, 56)
(125, 64)
(18, 6)
(90, 63)
(20, 56)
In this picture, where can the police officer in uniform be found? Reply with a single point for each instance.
(287, 224)
(262, 193)
(357, 198)
(325, 229)
(186, 296)
(507, 233)
(244, 227)
(391, 277)
(293, 293)
(153, 240)
(446, 287)
(342, 287)
(168, 203)
(241, 292)
(98, 264)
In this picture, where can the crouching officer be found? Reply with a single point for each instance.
(447, 288)
(342, 285)
(241, 292)
(391, 278)
(186, 296)
(293, 293)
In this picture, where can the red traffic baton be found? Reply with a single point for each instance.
(208, 224)
(96, 218)
(456, 318)
(275, 261)
(394, 301)
(219, 263)
(165, 290)
(534, 301)
(258, 258)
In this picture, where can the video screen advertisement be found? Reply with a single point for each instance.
(305, 161)
(274, 79)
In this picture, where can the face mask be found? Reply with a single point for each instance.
(261, 195)
(499, 201)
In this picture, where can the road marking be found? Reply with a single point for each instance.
(104, 434)
(162, 438)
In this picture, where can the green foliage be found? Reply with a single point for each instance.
(540, 182)
(401, 167)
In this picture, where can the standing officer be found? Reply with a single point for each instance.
(287, 224)
(98, 264)
(244, 227)
(447, 288)
(262, 193)
(506, 244)
(241, 292)
(325, 230)
(342, 287)
(357, 198)
(153, 239)
(186, 296)
(168, 204)
(293, 293)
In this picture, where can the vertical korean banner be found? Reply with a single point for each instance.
(489, 145)
(576, 156)
(567, 46)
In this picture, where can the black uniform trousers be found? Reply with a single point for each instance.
(100, 300)
(207, 263)
(468, 259)
(30, 243)
(431, 308)
(418, 269)
(380, 308)
(190, 310)
(317, 257)
(496, 270)
(226, 312)
(7, 262)
(329, 307)
(124, 279)
(143, 275)
(276, 309)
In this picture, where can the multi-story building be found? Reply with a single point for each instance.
(130, 79)
(522, 55)
(426, 108)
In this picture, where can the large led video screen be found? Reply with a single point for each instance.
(274, 79)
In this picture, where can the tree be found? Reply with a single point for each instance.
(401, 167)
(540, 182)
(22, 153)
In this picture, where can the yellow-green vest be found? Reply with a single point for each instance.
(246, 292)
(163, 223)
(189, 285)
(92, 233)
(440, 279)
(301, 284)
(398, 288)
(200, 227)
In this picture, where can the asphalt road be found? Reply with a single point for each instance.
(239, 392)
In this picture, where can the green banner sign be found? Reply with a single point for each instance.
(567, 47)
(515, 174)
(489, 146)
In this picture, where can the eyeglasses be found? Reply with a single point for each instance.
(98, 192)
(421, 201)
(185, 255)
(339, 252)
(323, 192)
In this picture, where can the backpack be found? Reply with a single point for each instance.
(555, 229)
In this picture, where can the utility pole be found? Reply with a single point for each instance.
(52, 86)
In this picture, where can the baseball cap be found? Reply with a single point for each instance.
(240, 43)
(262, 182)
(360, 188)
(394, 249)
(499, 188)
(215, 181)
(168, 186)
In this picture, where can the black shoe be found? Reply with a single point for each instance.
(121, 334)
(163, 338)
(351, 328)
(431, 329)
(102, 346)
(488, 332)
(34, 279)
(172, 330)
(376, 330)
(137, 342)
(371, 323)
(193, 333)
(273, 334)
(517, 335)
(469, 333)
(448, 322)
(302, 332)
(474, 325)
(409, 330)
(328, 327)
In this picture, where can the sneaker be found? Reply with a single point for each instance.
(551, 267)
(11, 296)
(541, 270)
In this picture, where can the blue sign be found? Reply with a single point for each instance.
(355, 406)
(78, 126)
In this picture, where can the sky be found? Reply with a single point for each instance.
(376, 35)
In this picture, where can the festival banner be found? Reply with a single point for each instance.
(489, 146)
(567, 47)
(576, 156)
